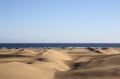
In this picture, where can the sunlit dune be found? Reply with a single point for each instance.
(58, 63)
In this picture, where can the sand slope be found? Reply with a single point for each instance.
(58, 63)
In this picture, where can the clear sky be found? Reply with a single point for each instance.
(74, 21)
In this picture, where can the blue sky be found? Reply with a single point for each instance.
(74, 21)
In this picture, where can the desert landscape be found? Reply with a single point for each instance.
(60, 63)
(59, 39)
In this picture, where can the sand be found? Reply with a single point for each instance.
(58, 63)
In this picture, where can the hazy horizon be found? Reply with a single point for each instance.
(59, 21)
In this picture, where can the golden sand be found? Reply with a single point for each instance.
(58, 63)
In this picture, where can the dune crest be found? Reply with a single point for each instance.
(67, 63)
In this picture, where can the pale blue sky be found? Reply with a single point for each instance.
(44, 21)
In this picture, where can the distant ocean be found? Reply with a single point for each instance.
(57, 45)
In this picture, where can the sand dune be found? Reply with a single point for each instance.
(18, 70)
(58, 63)
(109, 72)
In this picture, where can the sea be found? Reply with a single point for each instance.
(57, 45)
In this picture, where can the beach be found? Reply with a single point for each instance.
(59, 63)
